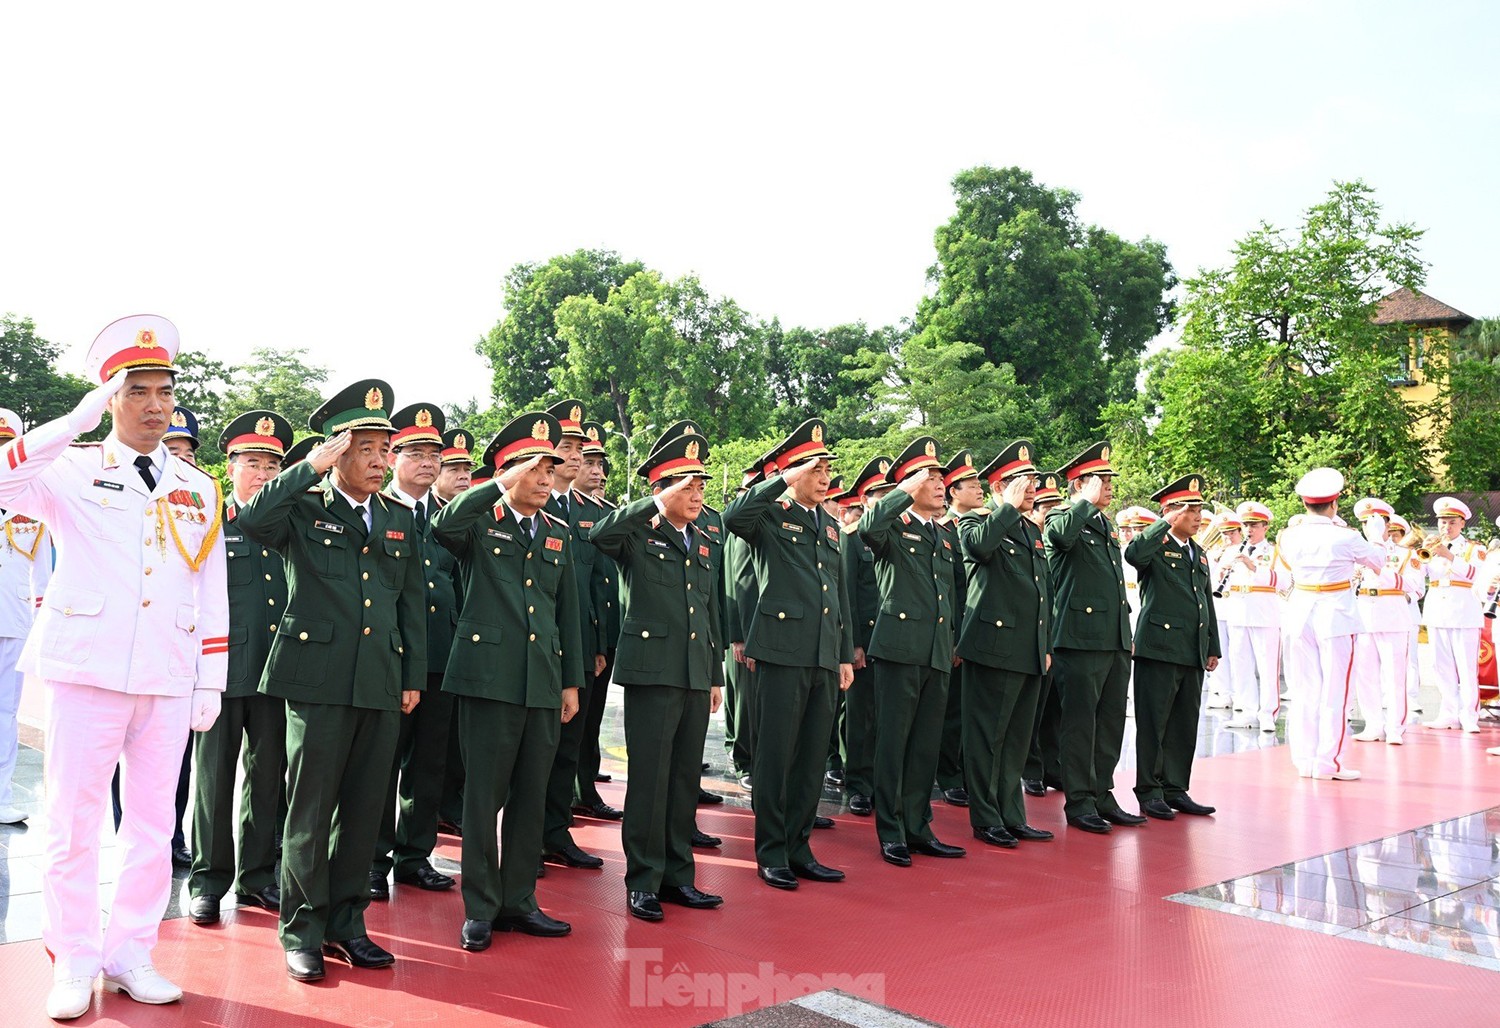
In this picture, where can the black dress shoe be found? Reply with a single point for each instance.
(1053, 783)
(1028, 833)
(834, 777)
(204, 910)
(602, 776)
(182, 856)
(268, 898)
(571, 856)
(745, 782)
(451, 827)
(1033, 787)
(705, 841)
(816, 872)
(777, 877)
(305, 965)
(1185, 804)
(860, 805)
(359, 952)
(534, 923)
(689, 896)
(541, 869)
(601, 810)
(1119, 817)
(380, 889)
(708, 799)
(895, 853)
(425, 877)
(1090, 823)
(995, 836)
(1158, 809)
(475, 936)
(644, 905)
(956, 797)
(819, 821)
(935, 848)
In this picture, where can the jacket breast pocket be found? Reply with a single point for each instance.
(74, 624)
(182, 659)
(772, 633)
(106, 515)
(996, 634)
(1088, 620)
(239, 663)
(662, 566)
(301, 650)
(643, 646)
(327, 551)
(394, 555)
(499, 558)
(241, 569)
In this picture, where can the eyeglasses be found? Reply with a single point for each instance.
(417, 457)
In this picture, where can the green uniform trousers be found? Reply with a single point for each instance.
(585, 788)
(256, 724)
(910, 701)
(950, 765)
(794, 707)
(664, 731)
(451, 806)
(557, 816)
(335, 755)
(508, 751)
(859, 719)
(1094, 684)
(1044, 762)
(416, 785)
(1166, 727)
(837, 738)
(742, 696)
(999, 715)
(731, 694)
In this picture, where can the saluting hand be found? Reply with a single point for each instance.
(90, 410)
(791, 476)
(513, 474)
(912, 482)
(1014, 491)
(326, 454)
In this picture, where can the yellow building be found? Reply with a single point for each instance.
(1430, 325)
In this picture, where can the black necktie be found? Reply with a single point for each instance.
(562, 501)
(143, 465)
(526, 530)
(421, 517)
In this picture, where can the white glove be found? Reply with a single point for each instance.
(90, 410)
(206, 703)
(1375, 529)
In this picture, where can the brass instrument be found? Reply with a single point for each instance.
(1422, 545)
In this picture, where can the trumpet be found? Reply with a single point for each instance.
(1421, 544)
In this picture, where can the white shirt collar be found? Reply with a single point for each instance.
(158, 456)
(924, 521)
(357, 505)
(401, 494)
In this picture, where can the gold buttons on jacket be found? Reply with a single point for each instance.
(645, 635)
(271, 602)
(302, 636)
(364, 576)
(497, 551)
(273, 628)
(367, 602)
(1166, 626)
(528, 581)
(432, 610)
(781, 615)
(362, 549)
(145, 603)
(148, 571)
(474, 637)
(327, 542)
(531, 610)
(268, 577)
(532, 637)
(999, 624)
(692, 610)
(367, 630)
(1088, 610)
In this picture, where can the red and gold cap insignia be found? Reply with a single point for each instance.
(265, 426)
(817, 433)
(1023, 453)
(1193, 485)
(539, 430)
(373, 400)
(969, 459)
(885, 467)
(691, 451)
(575, 414)
(179, 419)
(1104, 453)
(931, 448)
(593, 434)
(423, 418)
(145, 339)
(460, 442)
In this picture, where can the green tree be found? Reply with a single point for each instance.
(202, 385)
(811, 374)
(1069, 307)
(1471, 435)
(524, 348)
(278, 380)
(29, 382)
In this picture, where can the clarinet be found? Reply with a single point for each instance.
(1493, 600)
(1229, 570)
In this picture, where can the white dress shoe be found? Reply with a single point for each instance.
(143, 985)
(1394, 740)
(1471, 729)
(1339, 776)
(11, 815)
(70, 998)
(1441, 723)
(1493, 751)
(1367, 736)
(1268, 724)
(1241, 722)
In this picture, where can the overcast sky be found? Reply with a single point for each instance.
(358, 178)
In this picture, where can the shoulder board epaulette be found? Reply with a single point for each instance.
(396, 499)
(554, 519)
(785, 504)
(906, 519)
(850, 528)
(605, 503)
(711, 508)
(193, 467)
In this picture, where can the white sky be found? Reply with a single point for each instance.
(358, 178)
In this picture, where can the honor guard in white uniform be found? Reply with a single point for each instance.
(130, 645)
(1256, 584)
(1383, 601)
(1218, 684)
(25, 567)
(1319, 623)
(1452, 615)
(1398, 529)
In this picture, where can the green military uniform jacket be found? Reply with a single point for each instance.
(257, 599)
(672, 623)
(710, 526)
(605, 585)
(801, 616)
(740, 589)
(862, 585)
(439, 568)
(1177, 623)
(581, 515)
(1008, 615)
(1089, 608)
(916, 566)
(355, 627)
(517, 637)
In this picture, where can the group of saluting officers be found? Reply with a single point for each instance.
(317, 623)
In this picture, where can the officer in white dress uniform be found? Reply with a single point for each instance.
(1383, 601)
(25, 567)
(1399, 529)
(130, 646)
(1453, 618)
(1218, 684)
(1319, 623)
(1255, 585)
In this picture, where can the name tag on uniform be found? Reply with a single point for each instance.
(585, 524)
(791, 527)
(100, 483)
(234, 538)
(499, 534)
(553, 543)
(911, 535)
(395, 534)
(329, 526)
(1171, 553)
(657, 542)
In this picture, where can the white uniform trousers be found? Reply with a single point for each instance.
(1317, 673)
(1255, 670)
(1455, 665)
(88, 730)
(10, 704)
(1380, 681)
(1218, 684)
(1413, 668)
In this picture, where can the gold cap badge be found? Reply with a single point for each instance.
(817, 433)
(145, 339)
(931, 448)
(688, 430)
(968, 460)
(1104, 453)
(1024, 453)
(423, 418)
(885, 467)
(690, 451)
(265, 426)
(539, 430)
(1193, 485)
(459, 442)
(576, 414)
(593, 434)
(179, 419)
(373, 399)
